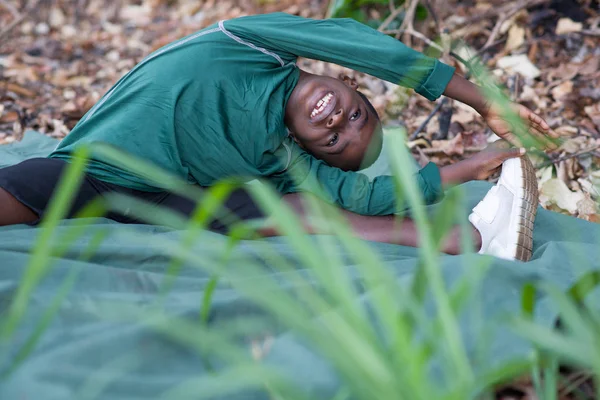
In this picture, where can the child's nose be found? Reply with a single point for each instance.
(336, 118)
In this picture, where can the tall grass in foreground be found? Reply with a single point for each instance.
(383, 349)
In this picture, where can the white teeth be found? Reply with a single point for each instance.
(321, 104)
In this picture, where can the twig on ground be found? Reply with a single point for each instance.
(438, 150)
(431, 114)
(431, 11)
(10, 8)
(416, 34)
(391, 5)
(407, 23)
(17, 16)
(569, 156)
(589, 32)
(422, 155)
(391, 17)
(490, 46)
(493, 12)
(444, 121)
(504, 16)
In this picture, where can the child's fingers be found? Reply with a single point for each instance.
(536, 119)
(512, 153)
(512, 139)
(501, 144)
(542, 138)
(539, 131)
(537, 122)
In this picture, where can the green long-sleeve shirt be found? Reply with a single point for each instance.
(211, 106)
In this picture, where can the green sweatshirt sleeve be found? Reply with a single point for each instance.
(352, 191)
(344, 42)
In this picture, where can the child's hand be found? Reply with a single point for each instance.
(480, 166)
(487, 162)
(536, 126)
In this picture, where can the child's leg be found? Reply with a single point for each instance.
(12, 211)
(26, 189)
(385, 229)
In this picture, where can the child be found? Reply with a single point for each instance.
(230, 101)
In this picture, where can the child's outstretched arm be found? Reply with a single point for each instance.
(354, 45)
(467, 92)
(480, 166)
(352, 191)
(345, 42)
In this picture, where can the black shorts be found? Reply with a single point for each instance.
(33, 182)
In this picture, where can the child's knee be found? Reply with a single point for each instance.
(12, 211)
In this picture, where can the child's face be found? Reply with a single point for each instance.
(329, 119)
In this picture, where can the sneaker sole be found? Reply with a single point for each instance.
(528, 210)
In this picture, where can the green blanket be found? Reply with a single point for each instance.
(81, 347)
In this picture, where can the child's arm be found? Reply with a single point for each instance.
(354, 192)
(350, 190)
(354, 45)
(344, 42)
(480, 166)
(467, 92)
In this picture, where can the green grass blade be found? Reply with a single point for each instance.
(38, 263)
(584, 286)
(400, 161)
(528, 300)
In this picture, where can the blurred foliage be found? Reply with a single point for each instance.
(361, 10)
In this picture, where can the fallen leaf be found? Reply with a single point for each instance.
(80, 81)
(454, 147)
(9, 116)
(567, 25)
(563, 72)
(519, 64)
(567, 130)
(586, 206)
(483, 6)
(562, 90)
(590, 67)
(529, 94)
(68, 31)
(592, 93)
(42, 29)
(516, 37)
(555, 191)
(463, 115)
(593, 112)
(56, 18)
(544, 175)
(17, 131)
(589, 126)
(19, 90)
(476, 138)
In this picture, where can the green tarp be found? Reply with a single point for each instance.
(81, 348)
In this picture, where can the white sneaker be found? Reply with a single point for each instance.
(504, 218)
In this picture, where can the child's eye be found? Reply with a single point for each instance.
(355, 116)
(334, 140)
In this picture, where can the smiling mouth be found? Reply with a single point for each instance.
(326, 103)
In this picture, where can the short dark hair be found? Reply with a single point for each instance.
(368, 103)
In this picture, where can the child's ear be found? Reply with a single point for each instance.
(351, 82)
